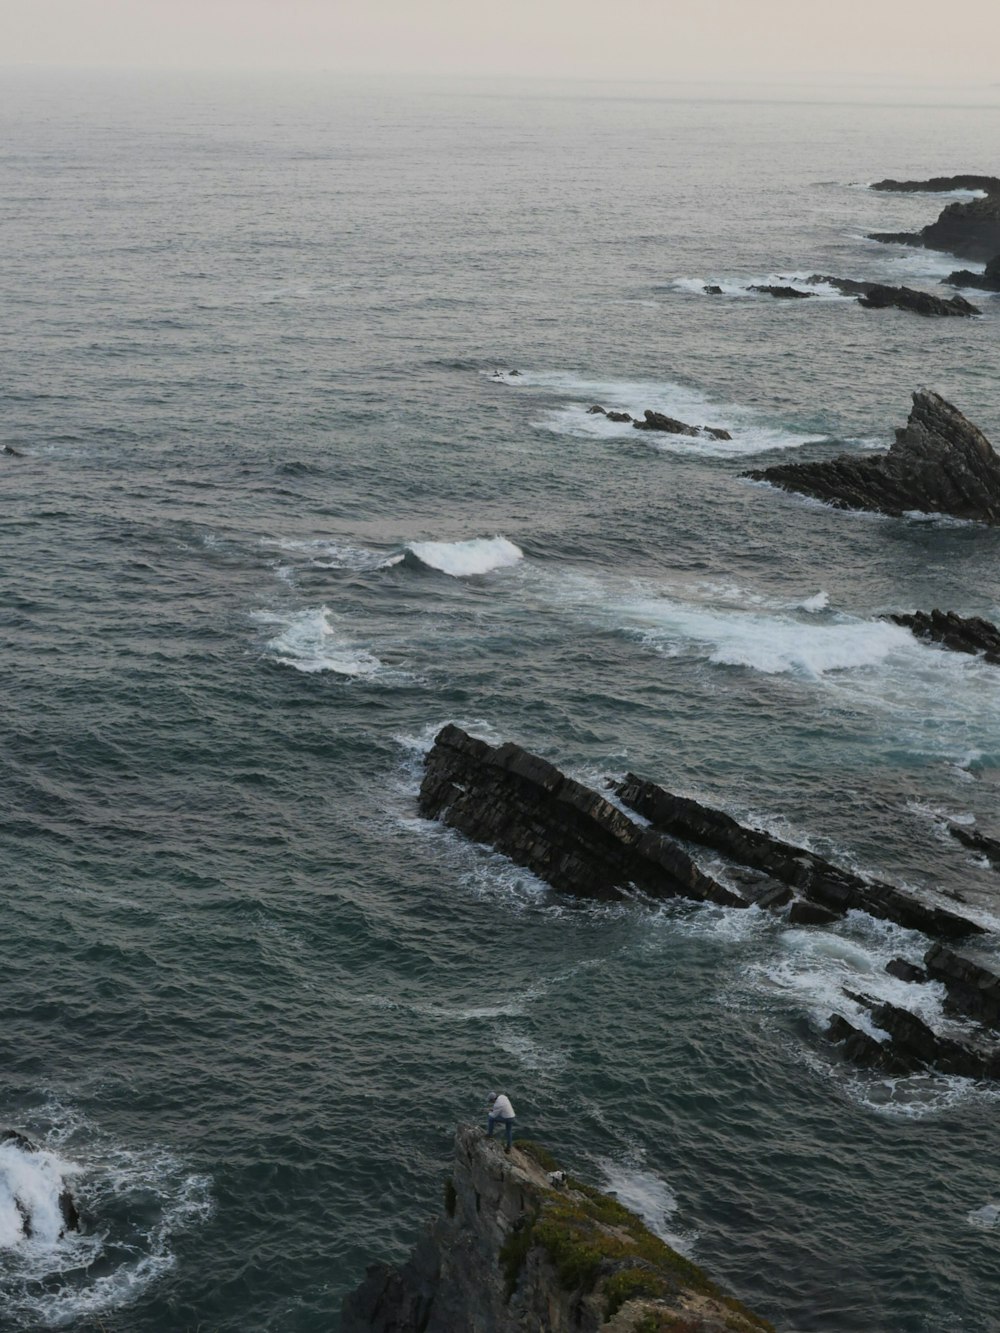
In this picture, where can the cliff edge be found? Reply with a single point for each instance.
(523, 1248)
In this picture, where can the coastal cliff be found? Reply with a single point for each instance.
(523, 1248)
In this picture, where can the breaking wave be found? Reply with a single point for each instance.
(309, 641)
(480, 555)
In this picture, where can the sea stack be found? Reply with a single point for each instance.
(940, 463)
(970, 230)
(523, 1247)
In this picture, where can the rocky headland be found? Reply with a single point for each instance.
(962, 634)
(939, 185)
(940, 463)
(969, 229)
(521, 1247)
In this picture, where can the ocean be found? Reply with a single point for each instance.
(284, 511)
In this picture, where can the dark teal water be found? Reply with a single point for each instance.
(250, 331)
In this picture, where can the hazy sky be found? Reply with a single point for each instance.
(661, 39)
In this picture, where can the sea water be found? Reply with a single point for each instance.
(284, 511)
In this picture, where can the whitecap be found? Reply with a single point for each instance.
(818, 602)
(986, 1217)
(309, 641)
(751, 433)
(479, 555)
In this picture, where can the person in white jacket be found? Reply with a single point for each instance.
(500, 1110)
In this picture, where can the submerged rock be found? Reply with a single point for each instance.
(979, 842)
(671, 426)
(523, 1247)
(970, 230)
(712, 289)
(969, 634)
(12, 452)
(940, 463)
(597, 410)
(563, 832)
(829, 890)
(880, 296)
(939, 184)
(781, 293)
(987, 281)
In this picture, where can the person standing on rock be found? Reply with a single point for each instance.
(500, 1110)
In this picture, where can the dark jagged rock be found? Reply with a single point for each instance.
(979, 842)
(880, 296)
(987, 281)
(939, 185)
(849, 286)
(819, 881)
(973, 991)
(566, 834)
(904, 971)
(916, 1040)
(67, 1204)
(802, 913)
(671, 426)
(597, 410)
(522, 1247)
(970, 230)
(660, 421)
(969, 634)
(713, 289)
(781, 293)
(861, 1048)
(940, 463)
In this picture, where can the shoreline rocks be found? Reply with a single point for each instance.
(671, 426)
(939, 185)
(970, 230)
(522, 1246)
(987, 281)
(940, 463)
(961, 634)
(880, 296)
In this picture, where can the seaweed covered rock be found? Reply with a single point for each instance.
(523, 1247)
(562, 831)
(940, 463)
(962, 634)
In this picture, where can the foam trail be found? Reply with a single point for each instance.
(480, 555)
(308, 642)
(649, 1197)
(327, 554)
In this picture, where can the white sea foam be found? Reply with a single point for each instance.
(740, 287)
(986, 1217)
(819, 602)
(751, 433)
(480, 555)
(309, 641)
(649, 1197)
(327, 554)
(30, 1186)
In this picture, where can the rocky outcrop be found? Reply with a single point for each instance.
(849, 286)
(940, 463)
(712, 289)
(987, 281)
(779, 292)
(25, 1205)
(978, 842)
(939, 185)
(908, 1044)
(671, 426)
(523, 1248)
(970, 230)
(563, 832)
(829, 891)
(597, 410)
(973, 990)
(880, 296)
(969, 634)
